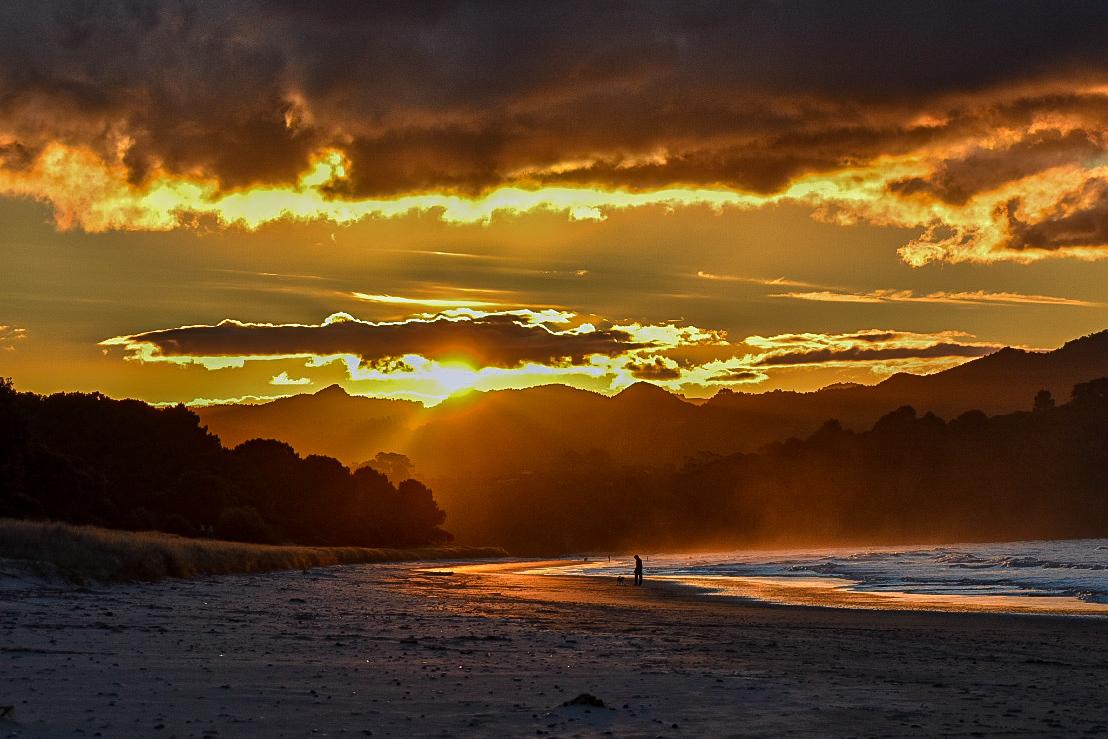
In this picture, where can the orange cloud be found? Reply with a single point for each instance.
(425, 302)
(11, 336)
(168, 118)
(775, 281)
(431, 356)
(976, 297)
(1012, 192)
(505, 339)
(871, 345)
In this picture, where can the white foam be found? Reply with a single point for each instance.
(1070, 568)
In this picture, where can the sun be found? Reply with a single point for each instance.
(453, 377)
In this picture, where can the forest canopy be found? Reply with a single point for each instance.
(1041, 473)
(89, 459)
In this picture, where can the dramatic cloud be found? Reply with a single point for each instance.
(870, 346)
(872, 353)
(862, 354)
(507, 339)
(738, 377)
(980, 124)
(955, 181)
(658, 368)
(431, 356)
(1077, 220)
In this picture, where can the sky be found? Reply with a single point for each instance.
(208, 202)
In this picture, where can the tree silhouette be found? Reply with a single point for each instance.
(909, 478)
(1044, 401)
(85, 458)
(393, 465)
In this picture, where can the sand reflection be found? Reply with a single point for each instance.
(833, 592)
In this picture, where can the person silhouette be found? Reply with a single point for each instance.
(638, 570)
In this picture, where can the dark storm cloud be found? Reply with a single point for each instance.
(457, 95)
(1078, 219)
(874, 337)
(738, 376)
(653, 369)
(957, 180)
(492, 340)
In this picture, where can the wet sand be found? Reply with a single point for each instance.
(404, 650)
(834, 592)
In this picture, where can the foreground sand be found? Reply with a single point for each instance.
(397, 651)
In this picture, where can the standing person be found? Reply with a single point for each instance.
(638, 570)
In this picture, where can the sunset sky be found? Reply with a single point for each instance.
(204, 202)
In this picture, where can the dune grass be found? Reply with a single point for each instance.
(81, 554)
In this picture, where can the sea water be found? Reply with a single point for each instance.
(1074, 570)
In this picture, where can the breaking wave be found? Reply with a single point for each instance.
(1072, 568)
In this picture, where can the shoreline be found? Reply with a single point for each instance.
(814, 592)
(405, 649)
(836, 592)
(107, 556)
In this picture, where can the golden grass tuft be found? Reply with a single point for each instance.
(82, 554)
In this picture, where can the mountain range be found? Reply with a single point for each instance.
(512, 431)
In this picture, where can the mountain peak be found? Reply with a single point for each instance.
(646, 392)
(332, 391)
(1095, 342)
(1007, 351)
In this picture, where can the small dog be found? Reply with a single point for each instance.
(620, 580)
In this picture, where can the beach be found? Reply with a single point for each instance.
(450, 650)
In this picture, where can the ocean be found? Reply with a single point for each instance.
(1056, 576)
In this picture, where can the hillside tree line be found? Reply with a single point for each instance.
(88, 459)
(1042, 473)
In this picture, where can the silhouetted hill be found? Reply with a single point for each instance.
(515, 430)
(911, 477)
(645, 394)
(483, 432)
(89, 459)
(511, 431)
(1001, 382)
(555, 469)
(329, 422)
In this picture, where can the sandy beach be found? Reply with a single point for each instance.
(434, 650)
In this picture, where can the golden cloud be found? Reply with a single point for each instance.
(284, 379)
(428, 357)
(168, 118)
(975, 297)
(768, 281)
(425, 302)
(11, 336)
(505, 339)
(871, 345)
(1059, 212)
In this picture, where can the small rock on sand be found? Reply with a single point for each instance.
(585, 699)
